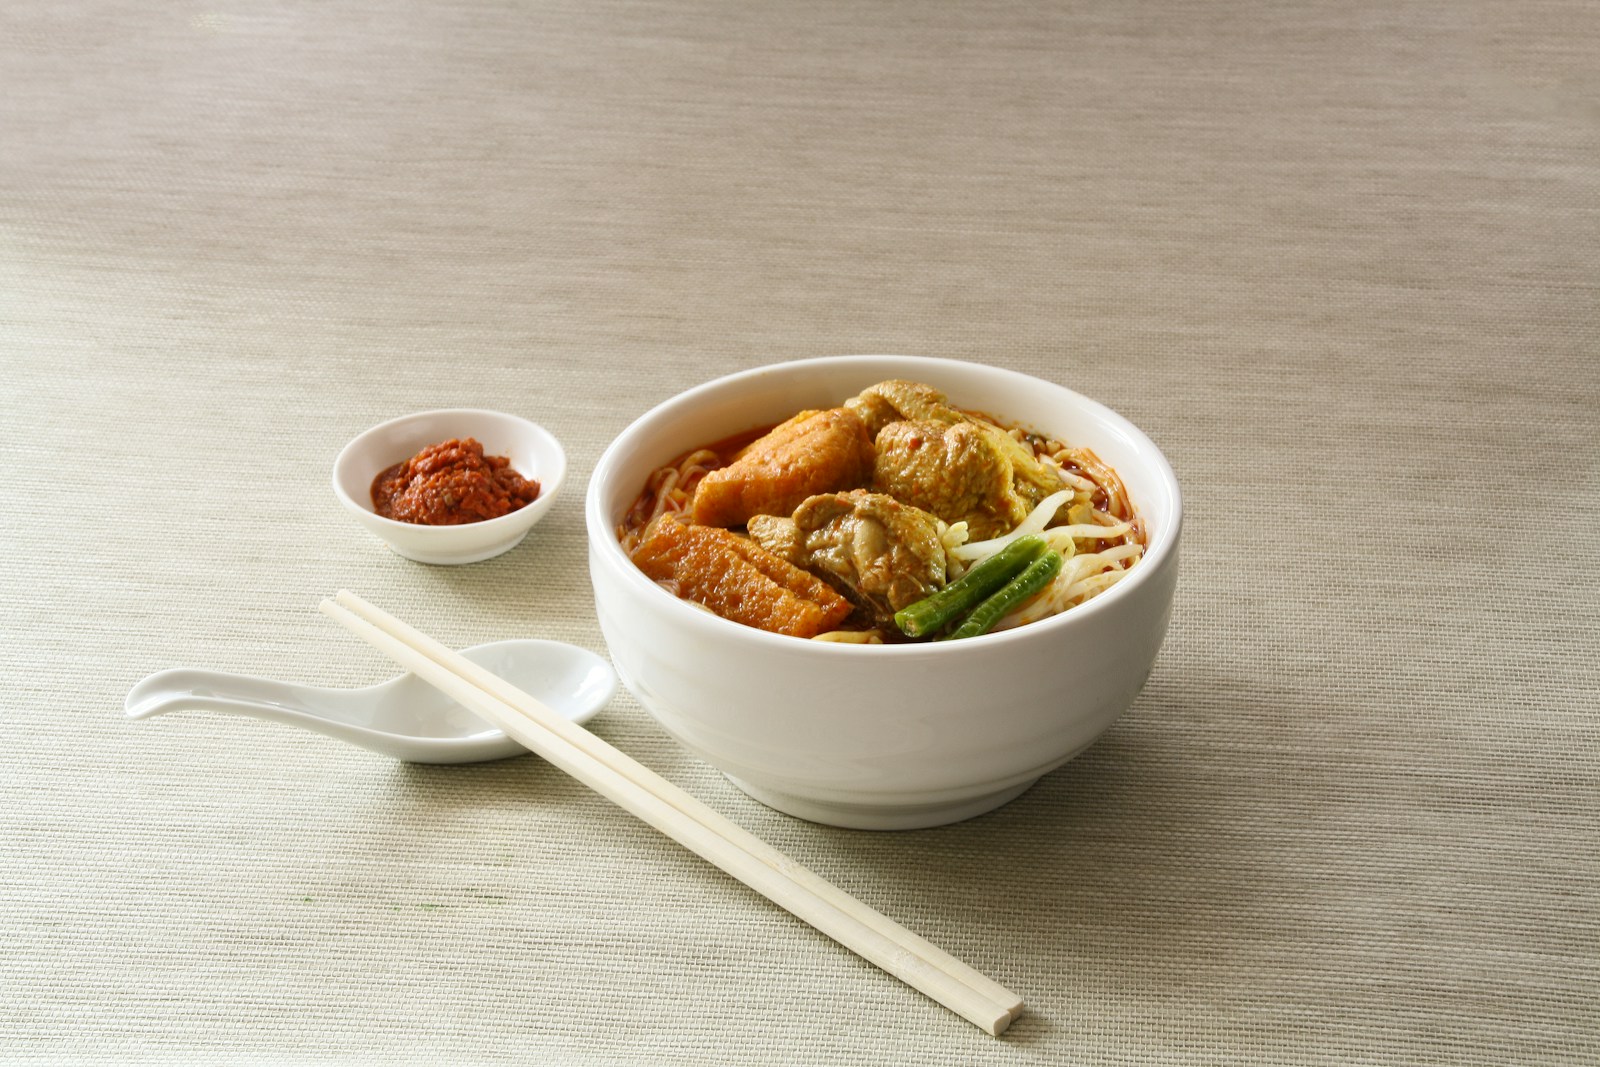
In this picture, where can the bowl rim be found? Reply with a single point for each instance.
(603, 539)
(548, 486)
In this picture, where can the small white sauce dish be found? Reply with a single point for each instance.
(533, 451)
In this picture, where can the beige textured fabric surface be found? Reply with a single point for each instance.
(1340, 260)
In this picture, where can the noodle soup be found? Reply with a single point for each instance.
(899, 499)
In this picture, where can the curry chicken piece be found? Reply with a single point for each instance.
(881, 553)
(897, 400)
(814, 452)
(738, 579)
(953, 471)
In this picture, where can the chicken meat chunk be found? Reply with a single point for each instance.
(882, 554)
(897, 400)
(953, 471)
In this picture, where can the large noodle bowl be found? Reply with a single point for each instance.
(912, 733)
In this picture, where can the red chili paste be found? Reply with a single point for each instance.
(451, 483)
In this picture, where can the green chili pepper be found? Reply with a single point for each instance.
(1020, 588)
(928, 615)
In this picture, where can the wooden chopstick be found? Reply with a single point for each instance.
(637, 789)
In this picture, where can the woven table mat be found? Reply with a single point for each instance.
(1340, 261)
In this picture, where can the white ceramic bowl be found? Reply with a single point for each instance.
(533, 452)
(881, 736)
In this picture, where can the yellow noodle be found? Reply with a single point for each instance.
(1126, 554)
(663, 493)
(851, 637)
(1093, 585)
(1066, 589)
(1116, 495)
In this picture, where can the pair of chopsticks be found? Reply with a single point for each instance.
(639, 790)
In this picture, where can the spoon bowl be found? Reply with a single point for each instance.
(405, 717)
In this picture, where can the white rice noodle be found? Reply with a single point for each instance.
(1034, 523)
(851, 637)
(703, 458)
(1077, 481)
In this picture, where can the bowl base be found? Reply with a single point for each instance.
(451, 559)
(874, 817)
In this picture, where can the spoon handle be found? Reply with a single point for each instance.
(186, 688)
(354, 716)
(257, 698)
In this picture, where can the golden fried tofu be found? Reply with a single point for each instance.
(814, 452)
(738, 579)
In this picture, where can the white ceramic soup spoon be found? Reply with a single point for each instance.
(404, 717)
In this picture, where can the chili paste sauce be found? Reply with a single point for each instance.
(451, 483)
